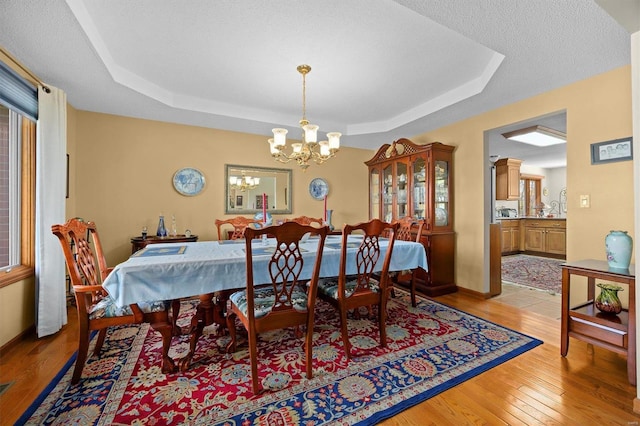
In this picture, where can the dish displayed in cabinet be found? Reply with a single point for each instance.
(441, 216)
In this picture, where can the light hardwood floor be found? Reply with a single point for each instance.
(588, 387)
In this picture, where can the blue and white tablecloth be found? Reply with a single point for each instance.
(190, 269)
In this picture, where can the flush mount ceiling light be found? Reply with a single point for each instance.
(537, 135)
(309, 148)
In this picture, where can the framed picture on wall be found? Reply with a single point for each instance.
(239, 200)
(259, 201)
(612, 151)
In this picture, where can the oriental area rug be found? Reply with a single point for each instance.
(538, 272)
(431, 348)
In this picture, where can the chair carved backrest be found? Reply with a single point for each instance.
(86, 265)
(283, 301)
(239, 223)
(410, 229)
(87, 268)
(367, 254)
(306, 220)
(286, 263)
(365, 287)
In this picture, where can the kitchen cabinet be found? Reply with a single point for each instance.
(508, 179)
(510, 236)
(545, 236)
(406, 179)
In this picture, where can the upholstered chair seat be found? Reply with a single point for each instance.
(107, 308)
(329, 286)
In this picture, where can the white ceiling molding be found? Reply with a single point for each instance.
(381, 69)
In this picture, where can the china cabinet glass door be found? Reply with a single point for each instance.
(374, 196)
(419, 193)
(387, 193)
(401, 190)
(441, 193)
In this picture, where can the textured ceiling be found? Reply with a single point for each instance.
(381, 69)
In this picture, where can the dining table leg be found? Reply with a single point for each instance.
(175, 313)
(210, 310)
(163, 324)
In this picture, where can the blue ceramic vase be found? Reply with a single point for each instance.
(162, 231)
(618, 245)
(329, 214)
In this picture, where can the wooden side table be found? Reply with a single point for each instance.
(138, 243)
(584, 322)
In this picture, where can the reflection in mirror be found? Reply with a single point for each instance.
(246, 184)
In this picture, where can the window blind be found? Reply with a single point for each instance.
(18, 94)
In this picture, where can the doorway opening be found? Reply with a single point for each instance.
(517, 223)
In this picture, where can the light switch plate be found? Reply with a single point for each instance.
(584, 201)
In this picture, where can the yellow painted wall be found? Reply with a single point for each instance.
(121, 170)
(124, 170)
(17, 309)
(598, 109)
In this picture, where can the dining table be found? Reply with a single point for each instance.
(211, 270)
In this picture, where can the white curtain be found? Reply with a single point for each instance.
(51, 169)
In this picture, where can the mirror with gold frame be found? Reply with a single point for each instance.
(245, 186)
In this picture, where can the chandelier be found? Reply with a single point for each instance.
(244, 182)
(309, 149)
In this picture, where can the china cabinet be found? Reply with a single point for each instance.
(406, 179)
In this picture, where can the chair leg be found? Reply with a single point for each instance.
(253, 356)
(83, 349)
(390, 284)
(382, 324)
(413, 289)
(231, 326)
(99, 341)
(175, 313)
(345, 335)
(309, 349)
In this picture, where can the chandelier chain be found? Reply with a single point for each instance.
(304, 98)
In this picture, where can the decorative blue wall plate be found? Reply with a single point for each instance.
(188, 181)
(318, 188)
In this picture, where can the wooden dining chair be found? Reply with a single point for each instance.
(306, 220)
(283, 301)
(96, 310)
(409, 229)
(348, 292)
(239, 223)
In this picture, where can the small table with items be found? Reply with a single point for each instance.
(584, 322)
(138, 243)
